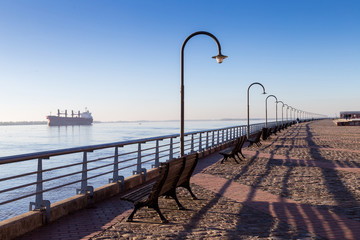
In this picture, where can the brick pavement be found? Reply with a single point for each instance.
(318, 221)
(296, 186)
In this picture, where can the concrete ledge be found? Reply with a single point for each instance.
(19, 225)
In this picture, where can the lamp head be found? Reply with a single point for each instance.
(219, 58)
(264, 93)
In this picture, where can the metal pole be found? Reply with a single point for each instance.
(248, 106)
(266, 109)
(287, 109)
(219, 58)
(282, 112)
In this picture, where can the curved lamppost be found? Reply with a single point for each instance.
(248, 106)
(282, 112)
(290, 113)
(266, 109)
(287, 109)
(219, 58)
(294, 112)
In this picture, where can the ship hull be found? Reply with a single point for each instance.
(68, 121)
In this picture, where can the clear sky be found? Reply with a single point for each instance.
(121, 59)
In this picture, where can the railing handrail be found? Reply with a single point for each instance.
(90, 148)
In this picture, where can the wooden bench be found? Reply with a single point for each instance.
(255, 139)
(265, 133)
(184, 180)
(172, 174)
(274, 130)
(234, 151)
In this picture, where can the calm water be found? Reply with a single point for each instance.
(16, 140)
(22, 139)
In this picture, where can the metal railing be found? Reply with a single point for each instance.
(44, 173)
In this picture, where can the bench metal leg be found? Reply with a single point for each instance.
(136, 207)
(155, 206)
(234, 157)
(224, 158)
(157, 209)
(187, 186)
(174, 196)
(241, 154)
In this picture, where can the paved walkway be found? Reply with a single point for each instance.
(301, 184)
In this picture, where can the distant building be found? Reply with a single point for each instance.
(350, 114)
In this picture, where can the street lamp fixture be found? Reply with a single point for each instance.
(248, 106)
(219, 58)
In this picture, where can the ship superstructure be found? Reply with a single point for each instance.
(63, 119)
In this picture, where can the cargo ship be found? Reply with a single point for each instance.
(62, 119)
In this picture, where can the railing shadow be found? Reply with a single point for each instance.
(332, 180)
(321, 222)
(304, 216)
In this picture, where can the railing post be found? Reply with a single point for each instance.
(157, 154)
(39, 186)
(138, 164)
(84, 174)
(116, 176)
(40, 203)
(218, 137)
(116, 166)
(139, 170)
(192, 142)
(85, 189)
(171, 150)
(213, 139)
(227, 134)
(207, 140)
(200, 144)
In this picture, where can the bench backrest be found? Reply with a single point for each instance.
(236, 146)
(163, 173)
(242, 140)
(257, 137)
(190, 164)
(176, 167)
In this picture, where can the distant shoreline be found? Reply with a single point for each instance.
(16, 123)
(23, 123)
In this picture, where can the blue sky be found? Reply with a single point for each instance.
(121, 59)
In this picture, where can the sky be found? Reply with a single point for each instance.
(121, 59)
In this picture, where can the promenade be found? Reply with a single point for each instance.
(303, 183)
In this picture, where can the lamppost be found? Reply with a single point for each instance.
(287, 109)
(248, 107)
(219, 58)
(290, 113)
(266, 109)
(282, 112)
